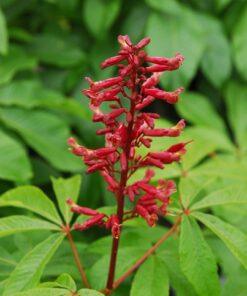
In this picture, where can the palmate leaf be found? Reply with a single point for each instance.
(46, 133)
(197, 260)
(33, 199)
(234, 194)
(151, 279)
(29, 270)
(14, 162)
(64, 189)
(233, 238)
(14, 224)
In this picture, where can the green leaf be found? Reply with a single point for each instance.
(105, 12)
(14, 162)
(172, 7)
(64, 189)
(16, 60)
(176, 33)
(29, 270)
(87, 292)
(126, 258)
(33, 199)
(216, 61)
(236, 110)
(44, 292)
(190, 187)
(44, 132)
(234, 194)
(234, 239)
(15, 224)
(197, 109)
(197, 260)
(66, 281)
(3, 34)
(151, 279)
(31, 93)
(63, 52)
(240, 43)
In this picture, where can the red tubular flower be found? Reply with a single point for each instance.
(127, 128)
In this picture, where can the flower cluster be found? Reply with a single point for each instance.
(126, 128)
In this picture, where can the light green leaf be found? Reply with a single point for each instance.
(197, 109)
(104, 15)
(87, 292)
(27, 273)
(3, 34)
(14, 162)
(176, 33)
(168, 253)
(56, 50)
(66, 281)
(17, 223)
(190, 187)
(240, 43)
(64, 189)
(197, 260)
(44, 292)
(44, 132)
(33, 199)
(151, 279)
(16, 60)
(234, 194)
(236, 110)
(216, 61)
(234, 239)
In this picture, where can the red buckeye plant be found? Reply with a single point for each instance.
(126, 128)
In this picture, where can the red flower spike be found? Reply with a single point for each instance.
(138, 83)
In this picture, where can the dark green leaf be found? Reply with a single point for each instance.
(16, 60)
(3, 34)
(240, 43)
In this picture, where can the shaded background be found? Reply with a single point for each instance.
(47, 47)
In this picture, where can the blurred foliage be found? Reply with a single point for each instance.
(48, 46)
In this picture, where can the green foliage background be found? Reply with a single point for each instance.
(48, 46)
